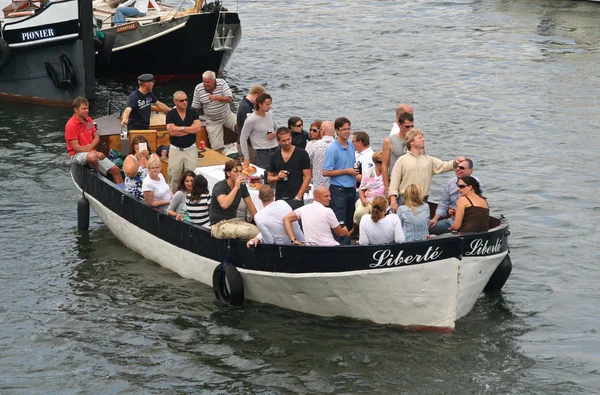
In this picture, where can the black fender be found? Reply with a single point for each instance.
(500, 276)
(228, 285)
(4, 53)
(105, 53)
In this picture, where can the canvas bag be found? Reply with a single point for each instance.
(233, 229)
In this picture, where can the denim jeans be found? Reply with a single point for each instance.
(442, 226)
(342, 204)
(122, 12)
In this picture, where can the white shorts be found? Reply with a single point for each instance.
(81, 159)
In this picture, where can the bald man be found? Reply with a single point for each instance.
(401, 109)
(318, 222)
(316, 153)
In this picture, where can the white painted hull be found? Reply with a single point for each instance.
(433, 294)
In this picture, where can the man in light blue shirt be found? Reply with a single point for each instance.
(449, 198)
(339, 167)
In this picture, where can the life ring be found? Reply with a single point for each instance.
(4, 53)
(227, 284)
(500, 276)
(105, 53)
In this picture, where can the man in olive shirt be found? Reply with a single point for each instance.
(227, 193)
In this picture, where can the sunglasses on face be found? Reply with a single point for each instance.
(314, 130)
(181, 100)
(460, 168)
(461, 186)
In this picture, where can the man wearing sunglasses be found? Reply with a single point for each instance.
(182, 125)
(395, 146)
(401, 109)
(450, 195)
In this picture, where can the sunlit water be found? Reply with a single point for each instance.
(512, 84)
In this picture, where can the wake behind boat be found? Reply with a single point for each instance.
(428, 283)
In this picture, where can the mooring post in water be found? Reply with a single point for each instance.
(83, 214)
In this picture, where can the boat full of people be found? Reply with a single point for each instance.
(428, 283)
(300, 255)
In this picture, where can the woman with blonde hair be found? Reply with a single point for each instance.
(414, 214)
(156, 190)
(370, 187)
(379, 228)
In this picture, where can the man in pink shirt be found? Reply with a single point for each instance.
(318, 220)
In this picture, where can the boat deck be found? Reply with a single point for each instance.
(104, 12)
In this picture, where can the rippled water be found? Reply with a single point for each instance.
(512, 84)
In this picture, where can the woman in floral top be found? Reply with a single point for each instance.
(371, 186)
(135, 165)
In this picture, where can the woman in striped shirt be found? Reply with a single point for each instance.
(198, 202)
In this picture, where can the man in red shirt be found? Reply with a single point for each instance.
(82, 139)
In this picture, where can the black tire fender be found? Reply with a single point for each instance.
(4, 53)
(228, 285)
(105, 53)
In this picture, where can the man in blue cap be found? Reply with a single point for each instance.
(139, 105)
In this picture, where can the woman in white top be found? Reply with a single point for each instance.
(379, 228)
(371, 186)
(140, 7)
(156, 190)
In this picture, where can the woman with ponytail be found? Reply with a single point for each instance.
(376, 228)
(472, 210)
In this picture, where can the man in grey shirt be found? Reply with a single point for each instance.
(260, 127)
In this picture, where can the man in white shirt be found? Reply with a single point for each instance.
(401, 109)
(363, 153)
(318, 221)
(269, 220)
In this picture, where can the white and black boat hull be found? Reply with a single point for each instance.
(180, 48)
(51, 55)
(425, 284)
